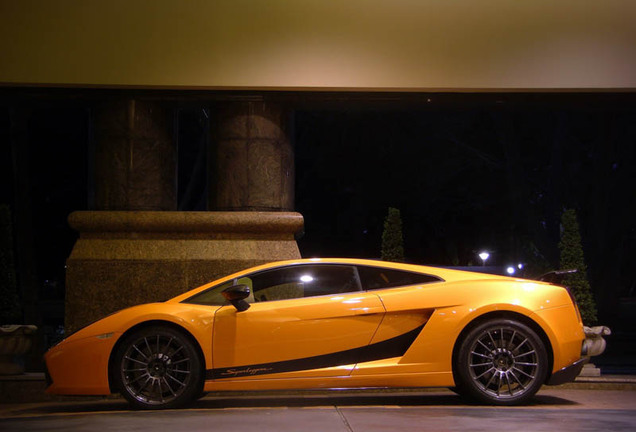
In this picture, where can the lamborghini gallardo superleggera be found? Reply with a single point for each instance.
(331, 323)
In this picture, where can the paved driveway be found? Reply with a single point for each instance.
(552, 410)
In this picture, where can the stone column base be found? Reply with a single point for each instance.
(124, 258)
(590, 370)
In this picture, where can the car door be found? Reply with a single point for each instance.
(305, 321)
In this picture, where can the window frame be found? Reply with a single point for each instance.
(357, 278)
(437, 279)
(353, 267)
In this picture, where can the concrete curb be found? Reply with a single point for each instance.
(30, 387)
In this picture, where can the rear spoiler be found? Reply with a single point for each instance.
(556, 276)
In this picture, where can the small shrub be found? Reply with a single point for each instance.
(392, 241)
(572, 258)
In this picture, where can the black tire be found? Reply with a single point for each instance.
(501, 362)
(157, 368)
(456, 390)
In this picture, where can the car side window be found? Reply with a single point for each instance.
(304, 281)
(214, 296)
(211, 296)
(377, 277)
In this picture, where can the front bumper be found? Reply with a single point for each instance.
(79, 366)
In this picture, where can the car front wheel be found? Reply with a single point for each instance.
(158, 367)
(501, 362)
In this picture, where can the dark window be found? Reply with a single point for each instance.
(287, 283)
(211, 296)
(304, 281)
(377, 277)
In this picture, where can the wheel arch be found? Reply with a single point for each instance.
(142, 325)
(503, 314)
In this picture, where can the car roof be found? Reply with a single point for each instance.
(448, 275)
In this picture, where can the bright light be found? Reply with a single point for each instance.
(520, 266)
(484, 256)
(510, 270)
(306, 278)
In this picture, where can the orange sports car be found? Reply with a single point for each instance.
(327, 323)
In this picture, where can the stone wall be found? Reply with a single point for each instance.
(123, 258)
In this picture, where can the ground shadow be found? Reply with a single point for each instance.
(268, 399)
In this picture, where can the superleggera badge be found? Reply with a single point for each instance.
(246, 371)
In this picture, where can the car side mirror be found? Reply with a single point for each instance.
(236, 294)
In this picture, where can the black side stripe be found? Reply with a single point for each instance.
(394, 347)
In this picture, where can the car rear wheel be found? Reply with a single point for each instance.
(501, 362)
(158, 367)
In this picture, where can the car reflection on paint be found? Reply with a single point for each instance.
(330, 323)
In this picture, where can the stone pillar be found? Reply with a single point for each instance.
(133, 251)
(135, 156)
(252, 161)
(123, 258)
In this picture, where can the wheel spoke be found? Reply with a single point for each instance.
(508, 383)
(484, 373)
(516, 349)
(182, 384)
(481, 355)
(512, 341)
(139, 378)
(169, 387)
(517, 379)
(160, 390)
(524, 373)
(480, 364)
(143, 387)
(526, 364)
(499, 385)
(181, 361)
(525, 354)
(484, 345)
(136, 361)
(148, 345)
(168, 345)
(135, 370)
(492, 378)
(494, 344)
(140, 352)
(152, 393)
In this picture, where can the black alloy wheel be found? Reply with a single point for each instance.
(158, 367)
(501, 362)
